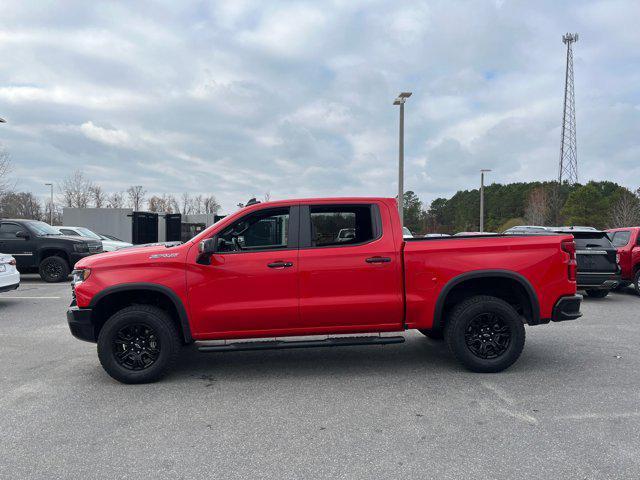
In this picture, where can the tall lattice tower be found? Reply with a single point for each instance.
(568, 170)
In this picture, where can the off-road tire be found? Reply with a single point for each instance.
(484, 307)
(597, 293)
(54, 269)
(433, 334)
(636, 282)
(152, 319)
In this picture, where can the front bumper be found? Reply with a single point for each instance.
(80, 324)
(598, 281)
(567, 308)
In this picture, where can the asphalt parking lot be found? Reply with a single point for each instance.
(569, 408)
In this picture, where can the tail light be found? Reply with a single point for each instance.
(569, 246)
(10, 262)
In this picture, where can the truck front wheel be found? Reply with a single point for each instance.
(138, 344)
(485, 334)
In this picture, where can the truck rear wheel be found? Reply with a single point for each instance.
(138, 344)
(636, 282)
(485, 334)
(53, 269)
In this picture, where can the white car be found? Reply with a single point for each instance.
(9, 275)
(406, 233)
(107, 245)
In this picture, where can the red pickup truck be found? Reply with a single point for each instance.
(281, 269)
(627, 241)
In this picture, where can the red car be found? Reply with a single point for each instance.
(279, 270)
(627, 241)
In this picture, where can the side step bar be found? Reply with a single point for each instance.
(282, 344)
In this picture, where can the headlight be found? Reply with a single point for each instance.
(81, 247)
(80, 275)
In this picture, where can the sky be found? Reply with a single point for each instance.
(294, 99)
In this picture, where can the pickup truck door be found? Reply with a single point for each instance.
(350, 269)
(250, 286)
(21, 248)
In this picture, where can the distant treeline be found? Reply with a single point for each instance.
(598, 204)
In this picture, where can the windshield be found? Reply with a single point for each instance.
(85, 232)
(42, 228)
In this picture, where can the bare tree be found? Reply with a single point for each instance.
(198, 204)
(625, 211)
(5, 168)
(162, 204)
(267, 196)
(98, 195)
(116, 200)
(136, 196)
(21, 205)
(186, 204)
(211, 205)
(76, 190)
(538, 207)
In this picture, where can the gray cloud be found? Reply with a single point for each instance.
(240, 98)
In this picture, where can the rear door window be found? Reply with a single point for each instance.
(341, 225)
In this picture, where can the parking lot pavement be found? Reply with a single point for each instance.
(568, 408)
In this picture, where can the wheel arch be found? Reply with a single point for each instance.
(145, 293)
(47, 252)
(519, 291)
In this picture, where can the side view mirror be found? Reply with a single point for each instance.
(22, 234)
(206, 248)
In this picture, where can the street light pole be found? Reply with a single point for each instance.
(402, 98)
(50, 204)
(482, 172)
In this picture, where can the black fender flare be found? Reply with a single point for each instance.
(153, 287)
(511, 275)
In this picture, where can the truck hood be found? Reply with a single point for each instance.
(69, 238)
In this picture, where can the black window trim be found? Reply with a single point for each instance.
(294, 228)
(305, 224)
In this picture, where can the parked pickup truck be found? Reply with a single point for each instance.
(279, 270)
(627, 241)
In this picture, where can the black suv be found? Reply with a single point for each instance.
(598, 269)
(38, 246)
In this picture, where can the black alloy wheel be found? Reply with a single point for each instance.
(54, 269)
(485, 333)
(136, 346)
(139, 344)
(487, 336)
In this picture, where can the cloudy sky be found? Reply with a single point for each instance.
(240, 98)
